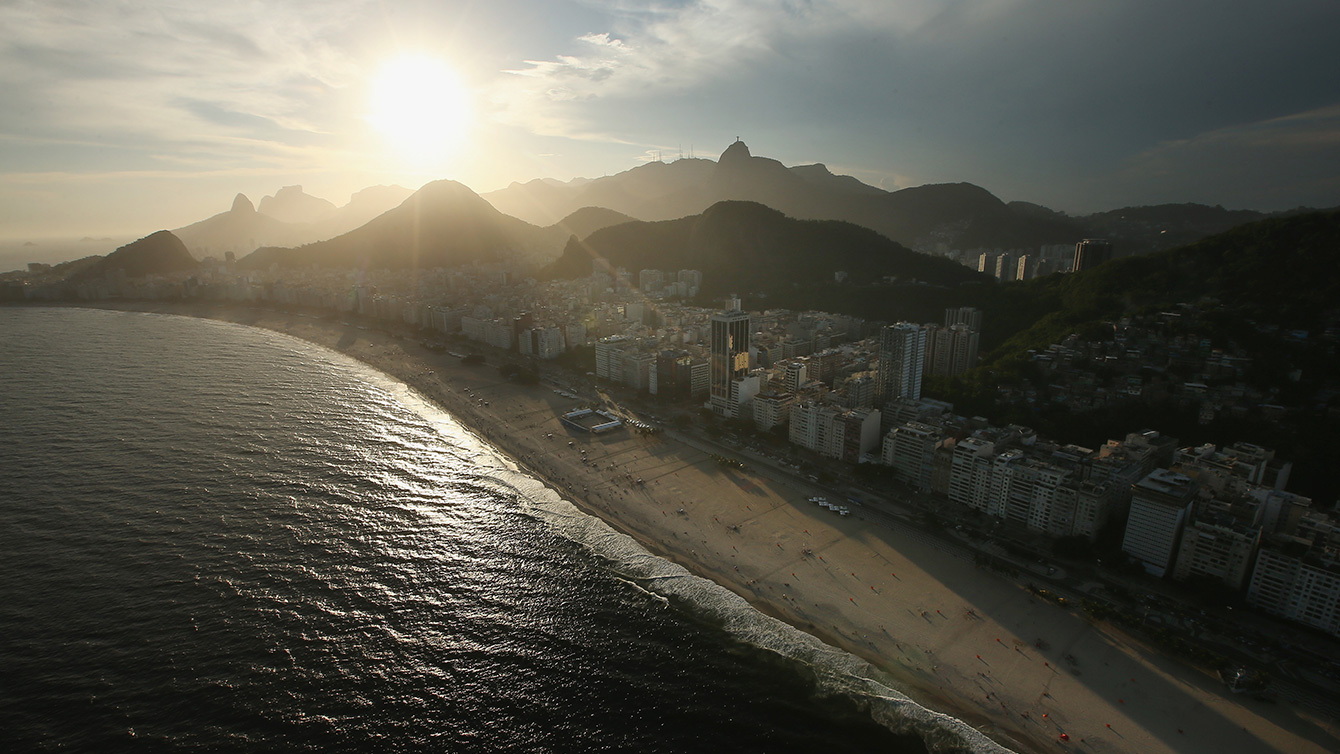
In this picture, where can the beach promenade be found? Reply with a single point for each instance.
(957, 638)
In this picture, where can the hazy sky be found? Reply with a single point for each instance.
(126, 116)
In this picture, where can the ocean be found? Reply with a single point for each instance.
(219, 538)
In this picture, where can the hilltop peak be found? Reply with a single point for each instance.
(291, 204)
(158, 253)
(737, 152)
(243, 205)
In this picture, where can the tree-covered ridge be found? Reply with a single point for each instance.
(159, 253)
(1281, 271)
(749, 248)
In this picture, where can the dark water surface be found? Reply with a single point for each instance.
(214, 537)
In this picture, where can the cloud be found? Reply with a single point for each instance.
(1074, 104)
(683, 46)
(140, 76)
(1277, 163)
(1028, 97)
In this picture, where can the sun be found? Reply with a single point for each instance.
(421, 107)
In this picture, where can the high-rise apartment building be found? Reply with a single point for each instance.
(834, 432)
(902, 354)
(609, 357)
(1160, 506)
(910, 450)
(1026, 268)
(970, 474)
(794, 375)
(964, 315)
(950, 350)
(1219, 547)
(651, 280)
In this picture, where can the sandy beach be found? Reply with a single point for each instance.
(957, 638)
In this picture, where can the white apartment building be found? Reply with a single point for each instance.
(1160, 505)
(910, 450)
(772, 408)
(1306, 591)
(970, 472)
(1219, 548)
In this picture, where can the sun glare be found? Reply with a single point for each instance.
(421, 108)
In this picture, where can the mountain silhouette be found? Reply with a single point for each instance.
(1138, 230)
(159, 253)
(291, 205)
(954, 215)
(751, 248)
(443, 224)
(364, 205)
(819, 175)
(238, 230)
(289, 218)
(588, 220)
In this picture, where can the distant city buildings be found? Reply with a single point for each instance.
(1090, 253)
(964, 315)
(952, 349)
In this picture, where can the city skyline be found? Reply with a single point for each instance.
(127, 120)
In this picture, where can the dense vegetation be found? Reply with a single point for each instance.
(758, 252)
(159, 253)
(1280, 271)
(1251, 284)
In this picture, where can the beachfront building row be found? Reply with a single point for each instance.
(1203, 521)
(1298, 584)
(635, 363)
(1193, 515)
(1008, 473)
(494, 332)
(833, 431)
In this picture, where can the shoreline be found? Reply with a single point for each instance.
(957, 639)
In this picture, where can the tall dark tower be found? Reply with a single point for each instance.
(728, 357)
(1090, 253)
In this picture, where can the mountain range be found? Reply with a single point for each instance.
(156, 254)
(747, 220)
(754, 250)
(533, 222)
(289, 218)
(935, 217)
(443, 224)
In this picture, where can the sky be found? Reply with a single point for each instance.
(121, 117)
